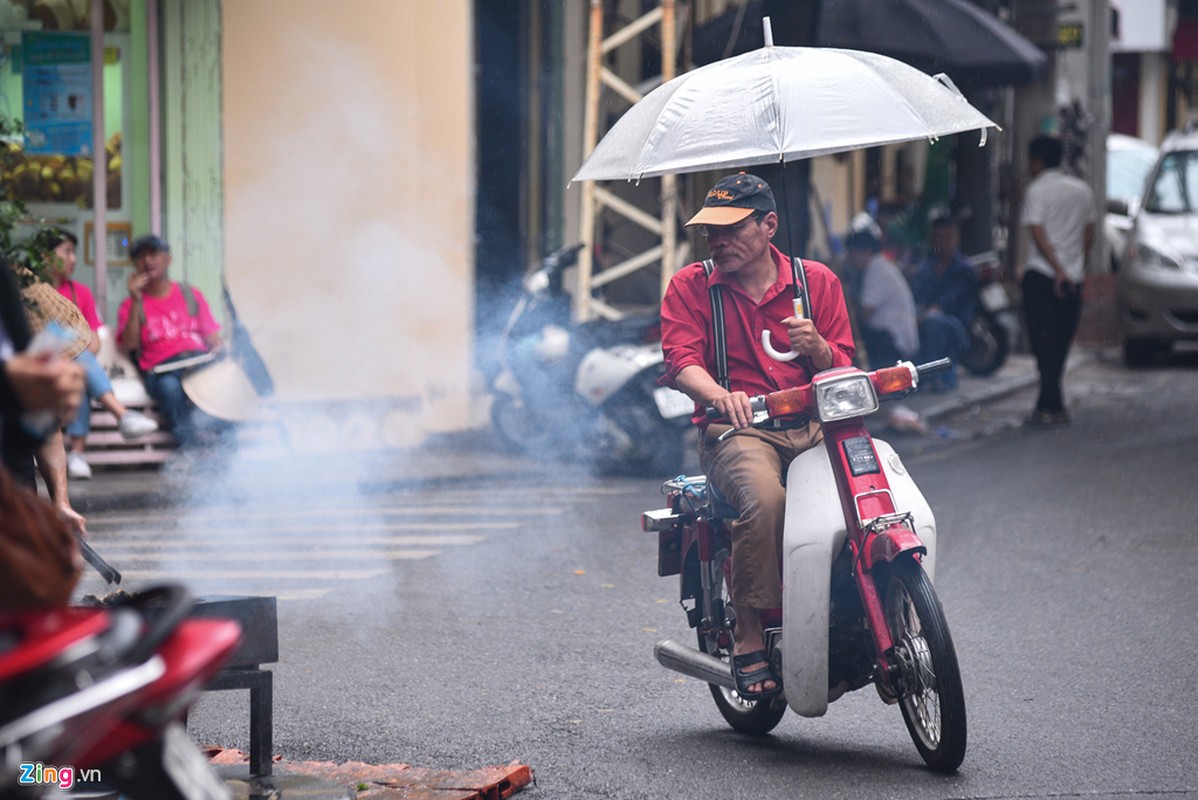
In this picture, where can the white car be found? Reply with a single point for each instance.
(1128, 162)
(1157, 294)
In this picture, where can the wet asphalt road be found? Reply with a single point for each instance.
(481, 623)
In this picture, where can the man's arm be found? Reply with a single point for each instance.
(830, 345)
(1040, 239)
(806, 340)
(697, 384)
(129, 337)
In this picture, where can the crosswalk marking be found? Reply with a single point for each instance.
(195, 530)
(342, 514)
(310, 549)
(442, 540)
(276, 556)
(252, 574)
(298, 594)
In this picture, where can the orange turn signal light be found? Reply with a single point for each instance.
(892, 380)
(789, 401)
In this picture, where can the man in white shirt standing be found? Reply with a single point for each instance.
(1059, 215)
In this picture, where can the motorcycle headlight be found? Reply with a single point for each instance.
(846, 396)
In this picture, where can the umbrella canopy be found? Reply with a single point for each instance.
(778, 104)
(953, 36)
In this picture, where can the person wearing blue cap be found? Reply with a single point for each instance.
(167, 324)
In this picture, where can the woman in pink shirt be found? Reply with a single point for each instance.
(58, 249)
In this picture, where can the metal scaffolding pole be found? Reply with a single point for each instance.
(661, 223)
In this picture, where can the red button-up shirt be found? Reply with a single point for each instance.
(686, 329)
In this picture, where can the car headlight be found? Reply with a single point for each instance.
(843, 397)
(1154, 258)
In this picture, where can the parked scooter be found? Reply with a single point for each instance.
(556, 373)
(858, 557)
(93, 698)
(995, 324)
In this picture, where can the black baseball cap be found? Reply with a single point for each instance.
(149, 243)
(733, 198)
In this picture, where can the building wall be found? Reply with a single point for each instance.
(191, 143)
(347, 142)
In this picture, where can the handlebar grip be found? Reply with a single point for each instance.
(932, 367)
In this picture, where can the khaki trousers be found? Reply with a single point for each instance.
(747, 469)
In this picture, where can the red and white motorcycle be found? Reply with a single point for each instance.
(91, 699)
(858, 558)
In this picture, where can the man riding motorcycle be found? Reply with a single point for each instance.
(710, 317)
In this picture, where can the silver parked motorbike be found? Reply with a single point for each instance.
(586, 391)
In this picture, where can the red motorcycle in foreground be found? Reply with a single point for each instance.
(91, 699)
(858, 559)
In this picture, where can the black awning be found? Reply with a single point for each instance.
(972, 46)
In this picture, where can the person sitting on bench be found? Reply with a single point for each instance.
(168, 325)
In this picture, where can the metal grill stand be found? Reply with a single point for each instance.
(258, 617)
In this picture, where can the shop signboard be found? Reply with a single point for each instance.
(1140, 26)
(57, 89)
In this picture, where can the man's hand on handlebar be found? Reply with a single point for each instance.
(735, 408)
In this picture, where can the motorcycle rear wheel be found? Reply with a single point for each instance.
(929, 680)
(745, 716)
(989, 344)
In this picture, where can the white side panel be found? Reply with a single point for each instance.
(814, 532)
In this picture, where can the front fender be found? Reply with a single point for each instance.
(890, 544)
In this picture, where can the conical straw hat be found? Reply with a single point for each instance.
(223, 390)
(43, 305)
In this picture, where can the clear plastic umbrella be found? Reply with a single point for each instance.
(779, 104)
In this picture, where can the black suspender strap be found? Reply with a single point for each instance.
(717, 314)
(800, 273)
(717, 327)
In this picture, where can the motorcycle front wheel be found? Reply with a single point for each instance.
(928, 680)
(746, 716)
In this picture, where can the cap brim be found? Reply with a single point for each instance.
(719, 215)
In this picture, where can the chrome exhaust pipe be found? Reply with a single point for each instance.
(692, 662)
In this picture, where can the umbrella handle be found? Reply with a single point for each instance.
(777, 355)
(788, 354)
